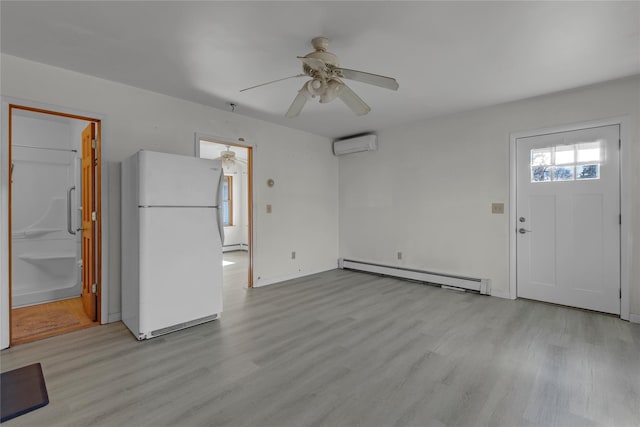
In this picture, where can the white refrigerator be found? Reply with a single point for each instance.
(172, 236)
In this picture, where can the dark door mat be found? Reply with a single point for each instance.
(22, 390)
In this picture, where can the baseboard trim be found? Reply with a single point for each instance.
(500, 293)
(634, 318)
(273, 281)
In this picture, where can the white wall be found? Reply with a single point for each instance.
(305, 212)
(428, 190)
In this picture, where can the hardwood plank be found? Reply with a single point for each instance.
(346, 348)
(40, 321)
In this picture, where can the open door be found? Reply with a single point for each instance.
(89, 212)
(237, 205)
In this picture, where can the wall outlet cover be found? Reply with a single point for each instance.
(497, 208)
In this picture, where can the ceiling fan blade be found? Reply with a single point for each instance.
(313, 63)
(273, 81)
(298, 102)
(229, 162)
(372, 79)
(353, 101)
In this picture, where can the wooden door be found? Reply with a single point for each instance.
(89, 283)
(568, 206)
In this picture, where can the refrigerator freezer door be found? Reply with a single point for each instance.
(172, 180)
(180, 266)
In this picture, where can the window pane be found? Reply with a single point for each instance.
(563, 174)
(540, 174)
(541, 156)
(225, 189)
(590, 152)
(225, 212)
(588, 172)
(565, 155)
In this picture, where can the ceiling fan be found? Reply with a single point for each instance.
(326, 81)
(229, 158)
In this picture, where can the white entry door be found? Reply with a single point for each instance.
(568, 207)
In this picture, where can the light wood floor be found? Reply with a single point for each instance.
(236, 275)
(348, 349)
(45, 320)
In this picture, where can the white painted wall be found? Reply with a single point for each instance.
(305, 201)
(428, 190)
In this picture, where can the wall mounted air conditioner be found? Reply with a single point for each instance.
(355, 144)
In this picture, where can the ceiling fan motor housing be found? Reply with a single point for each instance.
(320, 45)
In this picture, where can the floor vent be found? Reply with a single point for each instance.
(483, 286)
(181, 326)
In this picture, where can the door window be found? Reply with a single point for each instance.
(570, 162)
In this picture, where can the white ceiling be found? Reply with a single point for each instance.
(447, 56)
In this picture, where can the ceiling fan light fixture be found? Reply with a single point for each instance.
(229, 158)
(316, 87)
(331, 91)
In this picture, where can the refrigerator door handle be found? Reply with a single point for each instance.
(219, 208)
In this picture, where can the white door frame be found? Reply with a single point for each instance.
(5, 233)
(625, 208)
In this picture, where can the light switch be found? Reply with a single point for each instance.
(268, 209)
(497, 208)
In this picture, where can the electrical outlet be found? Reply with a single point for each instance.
(399, 255)
(293, 254)
(497, 208)
(268, 209)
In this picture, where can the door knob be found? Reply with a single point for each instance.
(522, 231)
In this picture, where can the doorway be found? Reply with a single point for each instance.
(237, 205)
(568, 218)
(54, 219)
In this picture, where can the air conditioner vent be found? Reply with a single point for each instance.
(355, 144)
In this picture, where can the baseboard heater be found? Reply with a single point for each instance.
(483, 286)
(236, 247)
